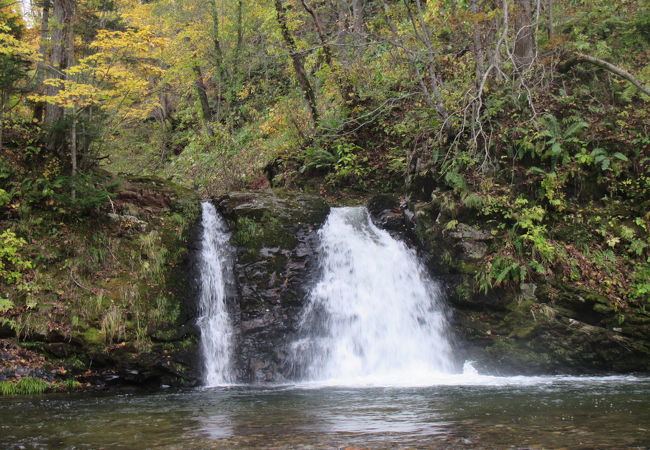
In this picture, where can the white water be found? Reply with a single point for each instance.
(214, 321)
(375, 317)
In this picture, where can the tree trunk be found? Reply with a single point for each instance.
(343, 21)
(201, 93)
(3, 101)
(41, 69)
(218, 60)
(581, 57)
(240, 33)
(525, 37)
(62, 52)
(346, 90)
(298, 61)
(549, 15)
(218, 53)
(357, 16)
(63, 15)
(477, 44)
(422, 32)
(73, 151)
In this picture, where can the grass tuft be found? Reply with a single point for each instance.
(25, 386)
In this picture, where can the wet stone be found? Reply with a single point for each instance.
(276, 238)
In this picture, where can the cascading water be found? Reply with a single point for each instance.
(374, 316)
(214, 321)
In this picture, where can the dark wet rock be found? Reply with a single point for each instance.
(60, 349)
(6, 331)
(387, 213)
(17, 362)
(276, 237)
(379, 203)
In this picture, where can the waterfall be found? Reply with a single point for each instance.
(215, 273)
(374, 315)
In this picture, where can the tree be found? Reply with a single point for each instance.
(14, 58)
(62, 57)
(297, 59)
(116, 79)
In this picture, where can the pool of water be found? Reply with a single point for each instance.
(547, 412)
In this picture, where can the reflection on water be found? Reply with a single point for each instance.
(569, 412)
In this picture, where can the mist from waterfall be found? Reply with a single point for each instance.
(375, 316)
(215, 269)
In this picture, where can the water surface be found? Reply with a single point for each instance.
(548, 412)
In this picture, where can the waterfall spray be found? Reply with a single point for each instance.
(375, 314)
(214, 321)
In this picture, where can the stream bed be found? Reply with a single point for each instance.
(577, 412)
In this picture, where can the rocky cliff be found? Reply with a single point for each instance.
(548, 326)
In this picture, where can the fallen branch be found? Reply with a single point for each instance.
(581, 57)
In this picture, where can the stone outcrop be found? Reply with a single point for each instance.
(276, 236)
(525, 329)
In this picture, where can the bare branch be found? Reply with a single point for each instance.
(581, 57)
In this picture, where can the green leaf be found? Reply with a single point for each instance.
(575, 129)
(5, 305)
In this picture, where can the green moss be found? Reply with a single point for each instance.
(268, 231)
(604, 308)
(510, 351)
(93, 337)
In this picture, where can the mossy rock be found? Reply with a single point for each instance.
(275, 234)
(382, 202)
(288, 208)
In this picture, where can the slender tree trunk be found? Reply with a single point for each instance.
(61, 59)
(549, 15)
(581, 57)
(298, 61)
(218, 60)
(343, 21)
(358, 17)
(218, 53)
(240, 33)
(422, 32)
(41, 69)
(73, 150)
(327, 50)
(201, 93)
(477, 44)
(346, 90)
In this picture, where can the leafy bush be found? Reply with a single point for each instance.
(12, 264)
